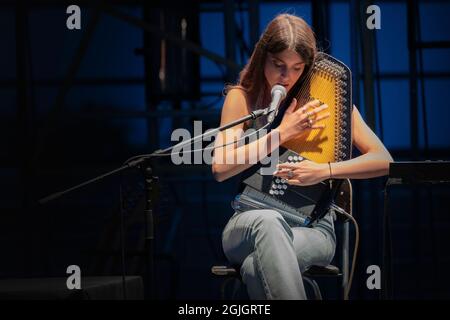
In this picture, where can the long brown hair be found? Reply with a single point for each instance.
(285, 31)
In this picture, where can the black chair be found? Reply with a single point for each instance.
(344, 202)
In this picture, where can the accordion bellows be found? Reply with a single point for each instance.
(330, 82)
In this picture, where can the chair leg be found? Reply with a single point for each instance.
(314, 286)
(236, 287)
(224, 286)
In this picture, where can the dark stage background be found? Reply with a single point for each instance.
(78, 103)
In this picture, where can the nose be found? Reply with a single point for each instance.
(284, 73)
(284, 76)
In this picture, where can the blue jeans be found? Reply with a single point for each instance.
(272, 254)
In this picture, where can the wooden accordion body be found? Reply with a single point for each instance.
(329, 81)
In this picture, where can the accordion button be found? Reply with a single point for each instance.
(284, 186)
(283, 181)
(290, 158)
(270, 191)
(280, 186)
(281, 192)
(274, 186)
(277, 180)
(275, 192)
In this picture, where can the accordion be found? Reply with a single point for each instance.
(329, 81)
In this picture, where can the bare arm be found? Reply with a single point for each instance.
(373, 162)
(225, 159)
(375, 158)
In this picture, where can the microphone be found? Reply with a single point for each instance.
(278, 93)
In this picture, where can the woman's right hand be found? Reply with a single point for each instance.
(305, 118)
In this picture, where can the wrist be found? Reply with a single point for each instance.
(330, 170)
(327, 171)
(283, 135)
(324, 171)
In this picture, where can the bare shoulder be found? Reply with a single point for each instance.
(355, 113)
(357, 122)
(236, 105)
(363, 136)
(236, 96)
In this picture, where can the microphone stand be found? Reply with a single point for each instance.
(143, 163)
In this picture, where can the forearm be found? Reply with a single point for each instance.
(369, 165)
(229, 162)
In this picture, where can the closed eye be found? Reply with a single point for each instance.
(277, 64)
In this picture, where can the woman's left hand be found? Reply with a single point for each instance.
(303, 173)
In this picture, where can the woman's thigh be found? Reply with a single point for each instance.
(238, 237)
(313, 247)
